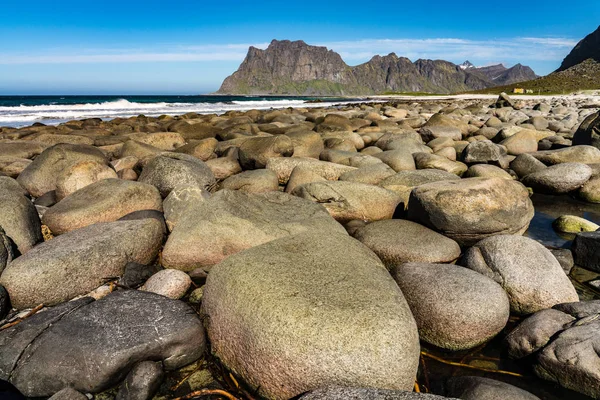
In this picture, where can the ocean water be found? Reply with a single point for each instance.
(17, 111)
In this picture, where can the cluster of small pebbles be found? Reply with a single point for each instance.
(309, 253)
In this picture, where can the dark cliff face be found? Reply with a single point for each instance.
(587, 48)
(296, 68)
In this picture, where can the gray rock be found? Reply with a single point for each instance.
(483, 152)
(232, 221)
(283, 167)
(302, 301)
(445, 298)
(77, 262)
(68, 394)
(581, 154)
(471, 209)
(564, 258)
(97, 343)
(371, 174)
(351, 393)
(434, 161)
(169, 170)
(142, 381)
(479, 388)
(588, 132)
(532, 277)
(557, 179)
(20, 220)
(398, 160)
(4, 302)
(11, 185)
(255, 152)
(178, 201)
(429, 133)
(255, 181)
(486, 171)
(346, 201)
(104, 201)
(41, 175)
(526, 164)
(398, 241)
(170, 283)
(6, 250)
(586, 250)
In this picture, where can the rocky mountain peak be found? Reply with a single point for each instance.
(467, 65)
(587, 48)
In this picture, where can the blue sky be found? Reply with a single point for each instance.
(189, 47)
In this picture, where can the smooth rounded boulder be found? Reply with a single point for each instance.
(480, 388)
(354, 393)
(19, 219)
(319, 310)
(530, 274)
(471, 209)
(397, 241)
(80, 261)
(81, 174)
(232, 221)
(455, 308)
(560, 178)
(253, 181)
(104, 201)
(255, 152)
(347, 201)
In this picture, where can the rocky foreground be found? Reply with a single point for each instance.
(303, 253)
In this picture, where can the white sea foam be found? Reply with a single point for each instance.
(56, 113)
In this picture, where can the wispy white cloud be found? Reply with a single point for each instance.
(509, 51)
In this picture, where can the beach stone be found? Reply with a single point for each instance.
(170, 283)
(21, 149)
(104, 201)
(560, 178)
(19, 219)
(80, 175)
(482, 152)
(203, 149)
(5, 306)
(179, 200)
(398, 160)
(397, 241)
(302, 174)
(127, 174)
(142, 382)
(574, 224)
(283, 167)
(41, 175)
(8, 184)
(224, 167)
(434, 161)
(128, 162)
(486, 171)
(404, 142)
(346, 201)
(590, 191)
(6, 250)
(471, 209)
(12, 167)
(141, 151)
(372, 174)
(588, 132)
(77, 262)
(191, 129)
(97, 343)
(232, 221)
(306, 143)
(564, 258)
(586, 250)
(504, 101)
(68, 394)
(255, 152)
(253, 181)
(163, 140)
(445, 298)
(53, 139)
(521, 142)
(561, 344)
(352, 393)
(429, 133)
(480, 388)
(303, 301)
(532, 277)
(525, 164)
(169, 170)
(440, 143)
(580, 154)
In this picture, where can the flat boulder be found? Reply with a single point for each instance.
(96, 343)
(468, 210)
(78, 262)
(353, 393)
(231, 221)
(434, 161)
(255, 152)
(480, 388)
(19, 219)
(582, 154)
(320, 310)
(558, 179)
(81, 174)
(283, 167)
(530, 274)
(104, 201)
(397, 241)
(41, 175)
(445, 299)
(347, 201)
(253, 181)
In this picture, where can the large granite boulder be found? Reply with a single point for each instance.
(255, 152)
(353, 393)
(581, 154)
(588, 132)
(558, 179)
(471, 209)
(530, 274)
(232, 221)
(92, 345)
(104, 201)
(445, 299)
(397, 241)
(169, 170)
(283, 167)
(319, 310)
(81, 174)
(586, 250)
(480, 388)
(253, 181)
(347, 201)
(6, 250)
(19, 218)
(562, 343)
(78, 262)
(41, 175)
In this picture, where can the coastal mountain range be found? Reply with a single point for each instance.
(296, 68)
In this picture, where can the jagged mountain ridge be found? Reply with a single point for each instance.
(295, 68)
(587, 48)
